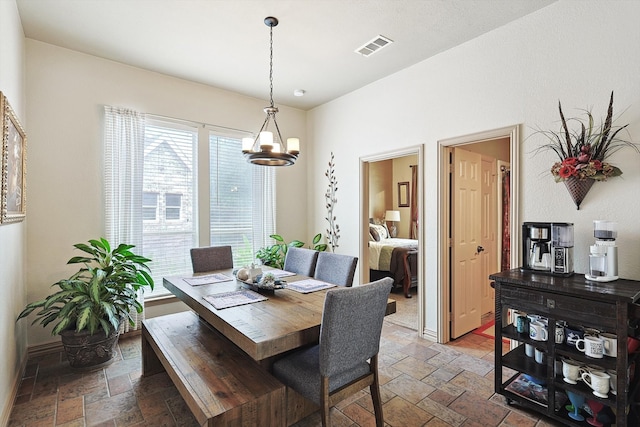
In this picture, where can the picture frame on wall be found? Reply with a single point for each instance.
(14, 160)
(403, 194)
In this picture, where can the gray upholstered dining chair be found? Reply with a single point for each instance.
(211, 258)
(335, 268)
(346, 359)
(301, 261)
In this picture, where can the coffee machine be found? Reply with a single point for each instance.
(603, 256)
(562, 248)
(547, 247)
(536, 253)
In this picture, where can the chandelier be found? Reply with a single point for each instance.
(268, 148)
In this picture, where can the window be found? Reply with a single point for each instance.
(169, 164)
(149, 206)
(230, 200)
(155, 182)
(172, 206)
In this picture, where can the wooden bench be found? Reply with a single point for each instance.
(221, 384)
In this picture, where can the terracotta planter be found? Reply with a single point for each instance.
(578, 188)
(89, 351)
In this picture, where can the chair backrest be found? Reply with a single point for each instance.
(335, 268)
(351, 325)
(211, 258)
(301, 261)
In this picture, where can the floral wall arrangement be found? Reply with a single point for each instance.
(583, 148)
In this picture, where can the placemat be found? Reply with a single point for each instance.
(234, 298)
(280, 273)
(309, 285)
(208, 279)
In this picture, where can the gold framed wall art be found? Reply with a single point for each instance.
(13, 155)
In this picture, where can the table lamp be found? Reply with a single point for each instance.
(392, 216)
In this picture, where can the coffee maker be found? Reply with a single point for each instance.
(547, 247)
(562, 248)
(536, 253)
(603, 256)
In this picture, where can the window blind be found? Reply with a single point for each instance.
(169, 165)
(241, 200)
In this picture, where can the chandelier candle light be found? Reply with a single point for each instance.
(268, 148)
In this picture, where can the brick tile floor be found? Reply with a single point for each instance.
(422, 384)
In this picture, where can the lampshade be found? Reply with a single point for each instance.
(392, 216)
(268, 148)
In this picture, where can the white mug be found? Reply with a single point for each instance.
(528, 350)
(570, 371)
(598, 381)
(539, 356)
(591, 346)
(538, 331)
(610, 342)
(613, 381)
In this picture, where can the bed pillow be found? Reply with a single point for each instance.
(379, 232)
(373, 233)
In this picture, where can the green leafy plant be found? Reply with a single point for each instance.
(99, 295)
(582, 152)
(274, 255)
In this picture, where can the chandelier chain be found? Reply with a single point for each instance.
(271, 65)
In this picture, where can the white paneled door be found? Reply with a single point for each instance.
(466, 301)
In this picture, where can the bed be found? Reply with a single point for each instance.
(392, 257)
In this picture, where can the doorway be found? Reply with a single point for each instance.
(465, 289)
(371, 208)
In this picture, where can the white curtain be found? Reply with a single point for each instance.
(124, 171)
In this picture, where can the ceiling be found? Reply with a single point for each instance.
(225, 43)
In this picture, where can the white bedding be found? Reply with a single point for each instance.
(376, 247)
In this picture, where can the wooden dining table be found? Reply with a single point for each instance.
(220, 359)
(287, 320)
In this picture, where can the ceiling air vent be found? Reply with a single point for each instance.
(374, 45)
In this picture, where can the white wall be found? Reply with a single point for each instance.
(66, 92)
(13, 338)
(576, 52)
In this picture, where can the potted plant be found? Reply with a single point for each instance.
(88, 307)
(274, 255)
(583, 151)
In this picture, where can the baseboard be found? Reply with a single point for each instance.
(17, 380)
(430, 335)
(44, 349)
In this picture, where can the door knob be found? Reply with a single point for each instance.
(479, 249)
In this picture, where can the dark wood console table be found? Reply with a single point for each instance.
(611, 307)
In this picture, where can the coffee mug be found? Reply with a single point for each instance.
(573, 334)
(610, 344)
(538, 331)
(589, 368)
(539, 356)
(591, 346)
(529, 350)
(591, 331)
(613, 381)
(521, 322)
(632, 344)
(598, 381)
(559, 333)
(570, 371)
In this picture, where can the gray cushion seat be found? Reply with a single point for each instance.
(336, 268)
(301, 261)
(211, 258)
(346, 359)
